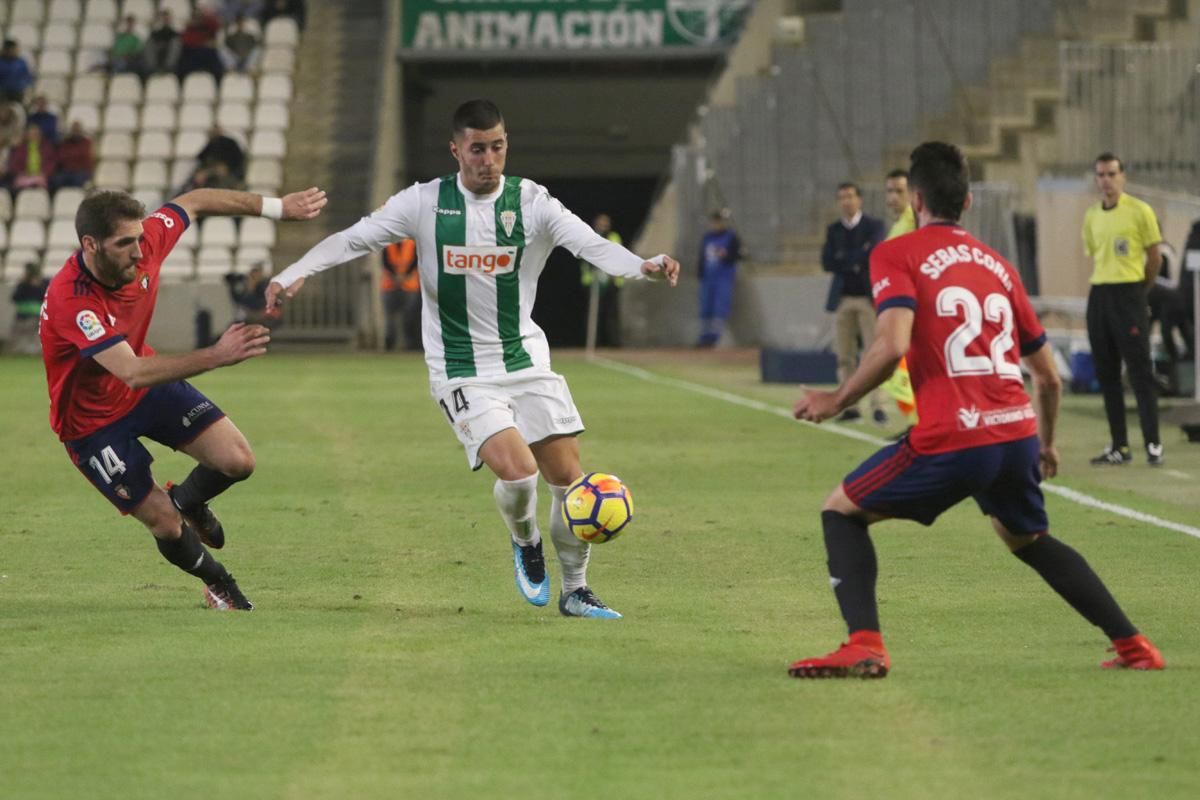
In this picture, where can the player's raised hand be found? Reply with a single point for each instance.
(241, 341)
(304, 205)
(662, 266)
(816, 406)
(276, 294)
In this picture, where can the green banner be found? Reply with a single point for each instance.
(516, 27)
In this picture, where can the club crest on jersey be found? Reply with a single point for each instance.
(121, 491)
(509, 220)
(144, 281)
(477, 260)
(89, 324)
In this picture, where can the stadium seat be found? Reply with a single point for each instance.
(65, 10)
(265, 172)
(158, 117)
(33, 11)
(120, 117)
(190, 239)
(154, 145)
(66, 203)
(28, 35)
(195, 117)
(234, 115)
(27, 234)
(237, 87)
(88, 89)
(188, 144)
(90, 60)
(56, 89)
(218, 232)
(268, 144)
(149, 198)
(143, 10)
(178, 265)
(59, 36)
(150, 175)
(125, 88)
(214, 260)
(116, 146)
(56, 259)
(275, 87)
(86, 115)
(62, 235)
(6, 206)
(96, 36)
(181, 171)
(112, 175)
(257, 232)
(181, 10)
(272, 116)
(103, 12)
(3, 237)
(16, 259)
(162, 89)
(282, 31)
(200, 87)
(33, 203)
(54, 63)
(278, 60)
(247, 257)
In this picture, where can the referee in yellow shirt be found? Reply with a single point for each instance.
(1121, 235)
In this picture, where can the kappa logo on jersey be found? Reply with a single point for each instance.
(89, 323)
(167, 221)
(449, 212)
(478, 260)
(509, 220)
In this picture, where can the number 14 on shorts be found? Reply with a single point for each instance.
(108, 465)
(460, 404)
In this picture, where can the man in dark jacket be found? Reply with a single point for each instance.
(847, 254)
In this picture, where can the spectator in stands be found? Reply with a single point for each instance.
(232, 9)
(15, 75)
(161, 53)
(76, 161)
(214, 176)
(249, 293)
(27, 296)
(847, 254)
(720, 250)
(41, 115)
(608, 310)
(32, 161)
(126, 52)
(12, 124)
(400, 290)
(223, 149)
(198, 42)
(241, 47)
(283, 8)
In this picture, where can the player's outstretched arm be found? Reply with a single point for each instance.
(1047, 394)
(301, 205)
(238, 343)
(893, 333)
(662, 266)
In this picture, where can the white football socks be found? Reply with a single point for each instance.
(572, 553)
(517, 501)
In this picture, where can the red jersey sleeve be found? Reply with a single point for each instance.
(1030, 333)
(82, 322)
(891, 281)
(161, 230)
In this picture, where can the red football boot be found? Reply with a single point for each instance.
(864, 656)
(1134, 652)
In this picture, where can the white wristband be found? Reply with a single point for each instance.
(272, 207)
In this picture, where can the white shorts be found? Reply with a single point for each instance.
(538, 405)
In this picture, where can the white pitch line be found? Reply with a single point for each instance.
(746, 402)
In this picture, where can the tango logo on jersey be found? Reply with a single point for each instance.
(89, 323)
(478, 260)
(167, 221)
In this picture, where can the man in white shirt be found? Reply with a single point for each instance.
(482, 241)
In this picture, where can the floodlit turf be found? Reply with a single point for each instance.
(390, 655)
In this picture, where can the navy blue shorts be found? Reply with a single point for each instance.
(1002, 478)
(115, 461)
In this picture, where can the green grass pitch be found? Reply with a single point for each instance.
(390, 655)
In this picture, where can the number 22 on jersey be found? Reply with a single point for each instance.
(957, 301)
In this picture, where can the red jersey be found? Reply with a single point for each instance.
(972, 324)
(82, 317)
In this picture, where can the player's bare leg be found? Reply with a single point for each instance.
(225, 458)
(180, 544)
(507, 455)
(1068, 573)
(852, 573)
(558, 461)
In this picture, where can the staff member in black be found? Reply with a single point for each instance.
(1121, 235)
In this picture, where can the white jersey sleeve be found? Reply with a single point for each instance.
(567, 230)
(395, 220)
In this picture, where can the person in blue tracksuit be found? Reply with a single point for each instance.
(720, 250)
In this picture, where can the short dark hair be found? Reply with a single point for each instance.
(850, 185)
(101, 212)
(897, 173)
(939, 172)
(1107, 156)
(479, 114)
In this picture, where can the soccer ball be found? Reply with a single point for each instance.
(598, 507)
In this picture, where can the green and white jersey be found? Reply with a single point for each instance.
(479, 257)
